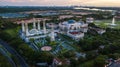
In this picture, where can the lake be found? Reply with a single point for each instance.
(12, 15)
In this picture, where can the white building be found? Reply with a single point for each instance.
(73, 29)
(90, 20)
(99, 30)
(50, 25)
(36, 32)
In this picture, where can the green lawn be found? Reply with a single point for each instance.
(87, 64)
(106, 23)
(13, 32)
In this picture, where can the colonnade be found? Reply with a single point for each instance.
(36, 25)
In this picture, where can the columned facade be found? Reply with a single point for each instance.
(36, 31)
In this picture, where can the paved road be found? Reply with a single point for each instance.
(115, 64)
(3, 51)
(14, 53)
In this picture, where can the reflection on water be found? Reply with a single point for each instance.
(12, 15)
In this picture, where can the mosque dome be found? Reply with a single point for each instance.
(71, 21)
(33, 31)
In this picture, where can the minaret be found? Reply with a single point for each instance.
(113, 21)
(52, 34)
(44, 27)
(38, 25)
(26, 25)
(23, 27)
(34, 23)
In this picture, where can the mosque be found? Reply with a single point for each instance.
(37, 30)
(71, 28)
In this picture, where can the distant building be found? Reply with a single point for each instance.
(65, 16)
(50, 25)
(58, 62)
(99, 30)
(89, 20)
(81, 13)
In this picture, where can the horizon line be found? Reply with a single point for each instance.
(54, 6)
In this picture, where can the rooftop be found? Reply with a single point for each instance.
(71, 21)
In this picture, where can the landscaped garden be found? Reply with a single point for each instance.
(106, 23)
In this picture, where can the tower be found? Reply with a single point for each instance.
(113, 21)
(44, 27)
(23, 27)
(38, 25)
(52, 34)
(34, 23)
(26, 27)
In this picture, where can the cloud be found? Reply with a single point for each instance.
(60, 2)
(104, 3)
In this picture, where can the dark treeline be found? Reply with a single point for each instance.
(29, 8)
(4, 9)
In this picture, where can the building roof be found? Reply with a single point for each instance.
(71, 21)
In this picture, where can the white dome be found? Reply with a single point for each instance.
(33, 31)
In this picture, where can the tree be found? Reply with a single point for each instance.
(69, 54)
(114, 56)
(4, 62)
(31, 15)
(100, 61)
(87, 64)
(53, 43)
(90, 55)
(82, 59)
(74, 62)
(27, 52)
(92, 25)
(45, 57)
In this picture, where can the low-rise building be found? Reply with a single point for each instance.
(90, 20)
(65, 16)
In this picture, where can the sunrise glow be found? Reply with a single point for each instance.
(60, 2)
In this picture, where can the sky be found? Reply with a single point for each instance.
(112, 3)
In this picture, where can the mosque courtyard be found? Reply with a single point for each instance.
(59, 39)
(48, 39)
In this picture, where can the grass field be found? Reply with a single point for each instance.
(13, 32)
(106, 23)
